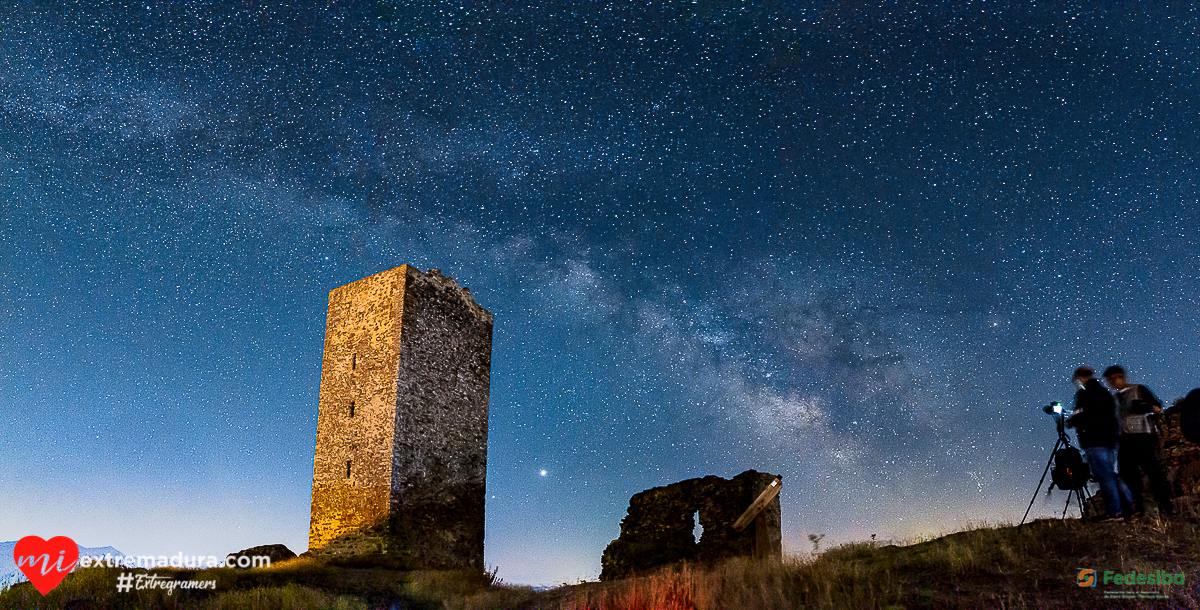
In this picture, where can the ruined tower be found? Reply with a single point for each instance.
(402, 425)
(658, 528)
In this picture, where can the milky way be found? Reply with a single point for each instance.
(855, 247)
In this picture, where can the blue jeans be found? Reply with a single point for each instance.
(1116, 495)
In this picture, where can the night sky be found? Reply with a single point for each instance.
(857, 247)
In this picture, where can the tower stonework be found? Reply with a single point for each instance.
(401, 452)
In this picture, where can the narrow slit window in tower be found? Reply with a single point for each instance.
(351, 408)
(354, 362)
(347, 469)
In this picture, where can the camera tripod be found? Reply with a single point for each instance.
(1064, 441)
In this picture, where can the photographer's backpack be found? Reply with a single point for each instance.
(1189, 416)
(1070, 472)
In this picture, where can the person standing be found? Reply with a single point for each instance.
(1095, 421)
(1138, 444)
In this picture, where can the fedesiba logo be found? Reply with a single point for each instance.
(1086, 578)
(1130, 585)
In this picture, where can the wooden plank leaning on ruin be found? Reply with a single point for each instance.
(759, 504)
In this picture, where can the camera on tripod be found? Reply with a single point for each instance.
(1070, 471)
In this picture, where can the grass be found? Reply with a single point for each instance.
(1034, 566)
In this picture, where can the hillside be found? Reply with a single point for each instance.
(1035, 566)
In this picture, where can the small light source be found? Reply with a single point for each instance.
(1057, 407)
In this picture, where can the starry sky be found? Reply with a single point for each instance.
(858, 245)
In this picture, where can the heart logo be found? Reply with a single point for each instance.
(45, 562)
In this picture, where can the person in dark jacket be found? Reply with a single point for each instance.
(1138, 443)
(1095, 421)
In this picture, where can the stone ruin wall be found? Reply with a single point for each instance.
(1181, 461)
(658, 528)
(400, 476)
(439, 462)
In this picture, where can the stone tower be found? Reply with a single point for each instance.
(402, 424)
